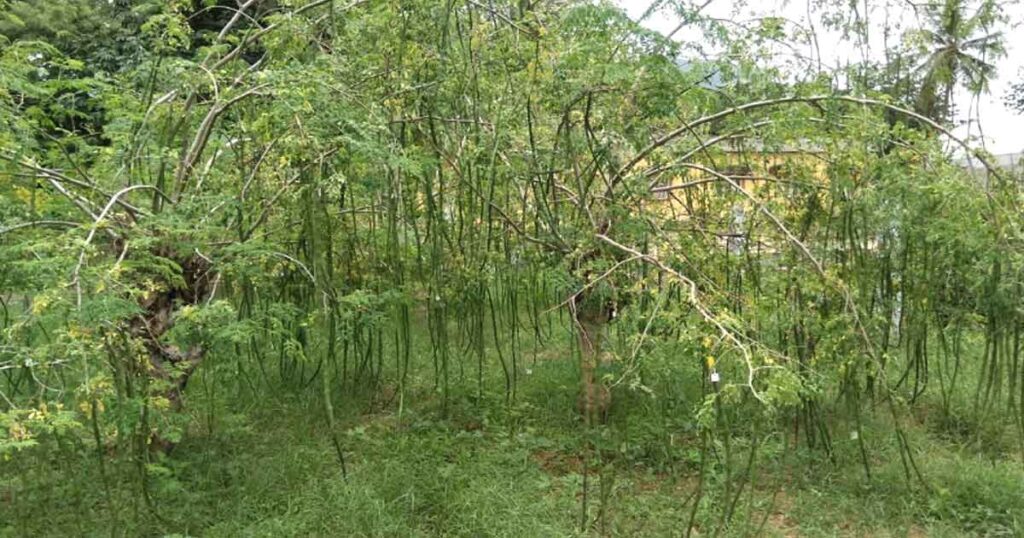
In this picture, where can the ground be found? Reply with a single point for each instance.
(491, 468)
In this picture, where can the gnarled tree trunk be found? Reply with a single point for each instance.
(168, 364)
(590, 319)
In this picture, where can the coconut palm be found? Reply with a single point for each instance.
(957, 48)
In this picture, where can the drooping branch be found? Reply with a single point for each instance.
(688, 127)
(255, 36)
(56, 176)
(202, 136)
(34, 223)
(697, 303)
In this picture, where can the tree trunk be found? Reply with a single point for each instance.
(168, 365)
(594, 399)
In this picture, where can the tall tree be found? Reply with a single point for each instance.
(957, 47)
(1015, 97)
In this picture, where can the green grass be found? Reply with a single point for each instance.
(491, 469)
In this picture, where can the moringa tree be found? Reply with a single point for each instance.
(274, 203)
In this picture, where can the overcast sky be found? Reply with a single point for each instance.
(1003, 128)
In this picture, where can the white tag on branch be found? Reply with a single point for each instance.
(854, 435)
(715, 378)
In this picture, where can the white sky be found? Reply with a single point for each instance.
(1003, 128)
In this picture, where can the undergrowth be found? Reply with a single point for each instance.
(497, 468)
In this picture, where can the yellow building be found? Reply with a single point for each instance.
(716, 190)
(748, 166)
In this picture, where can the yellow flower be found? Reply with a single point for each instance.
(710, 362)
(23, 194)
(17, 432)
(159, 402)
(39, 303)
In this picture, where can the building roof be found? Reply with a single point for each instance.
(1011, 162)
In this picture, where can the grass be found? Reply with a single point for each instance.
(491, 469)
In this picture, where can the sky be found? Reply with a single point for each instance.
(999, 128)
